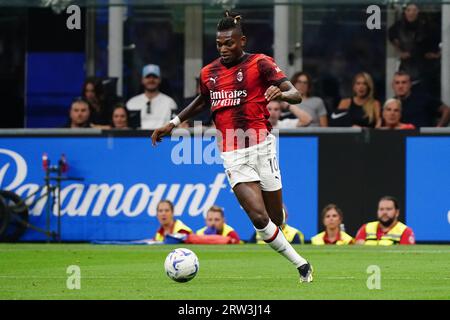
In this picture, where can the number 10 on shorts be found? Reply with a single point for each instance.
(273, 164)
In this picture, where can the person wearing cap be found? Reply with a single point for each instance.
(155, 107)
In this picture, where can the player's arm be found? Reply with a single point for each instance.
(194, 108)
(285, 91)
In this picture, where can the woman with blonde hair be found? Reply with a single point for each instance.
(363, 109)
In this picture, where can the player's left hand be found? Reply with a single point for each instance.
(273, 93)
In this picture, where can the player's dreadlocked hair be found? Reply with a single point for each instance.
(231, 20)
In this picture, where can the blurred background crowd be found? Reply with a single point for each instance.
(349, 75)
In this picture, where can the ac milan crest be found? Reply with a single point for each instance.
(239, 76)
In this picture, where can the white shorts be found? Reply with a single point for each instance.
(256, 163)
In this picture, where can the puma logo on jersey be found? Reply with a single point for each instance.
(213, 79)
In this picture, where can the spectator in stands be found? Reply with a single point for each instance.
(79, 114)
(362, 109)
(420, 109)
(94, 93)
(275, 107)
(332, 219)
(417, 43)
(155, 107)
(292, 234)
(168, 224)
(120, 116)
(391, 116)
(314, 106)
(215, 225)
(387, 230)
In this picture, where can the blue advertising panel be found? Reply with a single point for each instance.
(125, 178)
(428, 187)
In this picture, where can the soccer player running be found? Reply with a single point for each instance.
(237, 86)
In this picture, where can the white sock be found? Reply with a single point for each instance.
(275, 238)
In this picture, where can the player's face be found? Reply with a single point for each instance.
(164, 214)
(79, 113)
(151, 82)
(411, 13)
(392, 114)
(387, 213)
(119, 118)
(302, 84)
(401, 86)
(332, 219)
(360, 88)
(215, 219)
(230, 44)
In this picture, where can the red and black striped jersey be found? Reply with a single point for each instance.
(236, 96)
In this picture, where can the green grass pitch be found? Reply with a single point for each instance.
(39, 271)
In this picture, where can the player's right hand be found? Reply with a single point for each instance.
(161, 132)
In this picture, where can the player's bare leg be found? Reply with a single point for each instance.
(251, 198)
(273, 201)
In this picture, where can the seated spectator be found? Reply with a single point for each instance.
(420, 109)
(155, 107)
(169, 225)
(215, 225)
(79, 115)
(392, 114)
(332, 218)
(314, 106)
(292, 234)
(303, 119)
(362, 109)
(94, 93)
(387, 230)
(120, 116)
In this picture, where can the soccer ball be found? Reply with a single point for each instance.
(181, 265)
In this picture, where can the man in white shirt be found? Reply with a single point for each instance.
(275, 107)
(156, 108)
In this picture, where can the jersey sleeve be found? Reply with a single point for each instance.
(270, 72)
(408, 237)
(361, 234)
